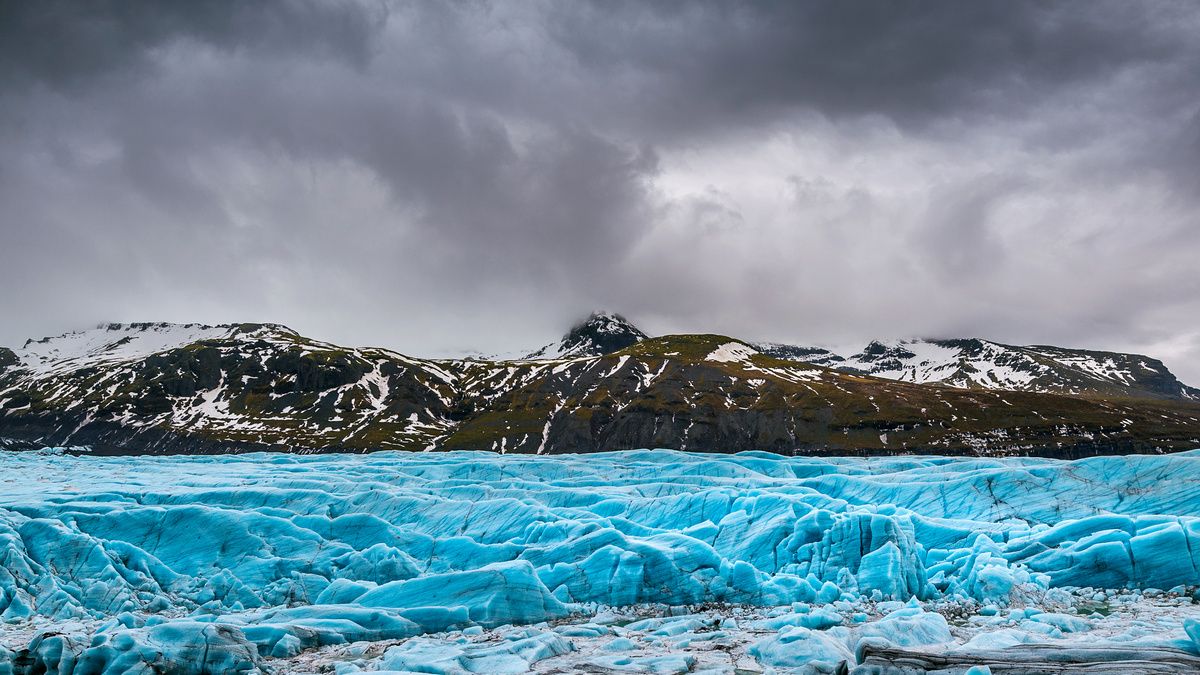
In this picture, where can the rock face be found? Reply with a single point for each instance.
(7, 358)
(1034, 659)
(601, 333)
(167, 388)
(814, 355)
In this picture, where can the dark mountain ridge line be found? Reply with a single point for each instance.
(249, 387)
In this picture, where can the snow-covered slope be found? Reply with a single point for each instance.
(237, 385)
(981, 364)
(114, 342)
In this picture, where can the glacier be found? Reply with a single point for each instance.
(636, 561)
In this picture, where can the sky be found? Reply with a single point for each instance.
(441, 178)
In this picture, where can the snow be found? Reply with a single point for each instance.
(1105, 368)
(730, 352)
(607, 322)
(932, 362)
(112, 343)
(980, 364)
(640, 561)
(578, 343)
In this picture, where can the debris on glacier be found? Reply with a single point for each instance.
(643, 561)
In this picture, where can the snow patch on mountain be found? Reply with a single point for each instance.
(1099, 365)
(990, 365)
(113, 342)
(981, 364)
(730, 352)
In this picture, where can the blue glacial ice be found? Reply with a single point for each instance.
(234, 560)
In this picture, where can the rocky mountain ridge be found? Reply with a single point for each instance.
(965, 363)
(168, 388)
(973, 363)
(601, 333)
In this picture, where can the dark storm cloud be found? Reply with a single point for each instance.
(908, 60)
(437, 176)
(63, 43)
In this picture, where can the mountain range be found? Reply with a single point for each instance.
(605, 385)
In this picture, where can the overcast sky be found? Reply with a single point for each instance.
(444, 177)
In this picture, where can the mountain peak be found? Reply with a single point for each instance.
(600, 333)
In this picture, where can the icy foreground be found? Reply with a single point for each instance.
(657, 561)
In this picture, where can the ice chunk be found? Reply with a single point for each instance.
(885, 569)
(909, 626)
(1063, 622)
(819, 619)
(493, 594)
(179, 646)
(320, 625)
(1192, 628)
(508, 657)
(798, 647)
(994, 639)
(666, 664)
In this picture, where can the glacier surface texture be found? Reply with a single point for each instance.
(247, 563)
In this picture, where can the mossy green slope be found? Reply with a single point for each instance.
(273, 389)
